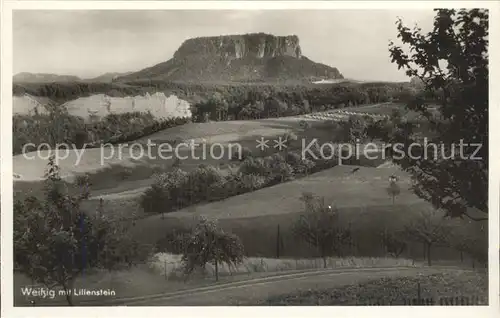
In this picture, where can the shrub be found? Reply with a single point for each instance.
(177, 189)
(248, 183)
(166, 193)
(278, 170)
(254, 166)
(288, 138)
(82, 180)
(199, 182)
(300, 165)
(236, 184)
(304, 124)
(155, 199)
(242, 155)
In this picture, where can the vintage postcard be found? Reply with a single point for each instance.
(193, 155)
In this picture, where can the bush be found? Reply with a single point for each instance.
(165, 195)
(82, 180)
(236, 184)
(199, 183)
(155, 199)
(278, 170)
(301, 166)
(254, 166)
(244, 154)
(304, 124)
(177, 189)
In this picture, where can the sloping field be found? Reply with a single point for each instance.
(262, 217)
(89, 161)
(364, 189)
(339, 186)
(379, 109)
(226, 131)
(31, 166)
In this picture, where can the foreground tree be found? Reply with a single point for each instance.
(428, 228)
(55, 241)
(452, 63)
(208, 243)
(320, 226)
(393, 189)
(393, 242)
(471, 240)
(353, 131)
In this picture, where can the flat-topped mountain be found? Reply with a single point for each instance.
(247, 57)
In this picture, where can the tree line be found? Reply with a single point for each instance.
(59, 127)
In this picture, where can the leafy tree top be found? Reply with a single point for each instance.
(452, 63)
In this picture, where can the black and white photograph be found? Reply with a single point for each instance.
(226, 156)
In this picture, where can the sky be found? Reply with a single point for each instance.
(87, 43)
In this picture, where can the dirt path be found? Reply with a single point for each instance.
(250, 291)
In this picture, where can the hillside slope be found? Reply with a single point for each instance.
(26, 77)
(107, 77)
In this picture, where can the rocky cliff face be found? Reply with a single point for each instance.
(256, 57)
(258, 45)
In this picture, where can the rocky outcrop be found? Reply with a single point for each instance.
(256, 57)
(258, 45)
(94, 107)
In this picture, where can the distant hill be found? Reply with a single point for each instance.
(26, 77)
(107, 77)
(257, 57)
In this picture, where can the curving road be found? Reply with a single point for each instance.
(251, 291)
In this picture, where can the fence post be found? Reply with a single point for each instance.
(166, 276)
(419, 300)
(216, 262)
(278, 243)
